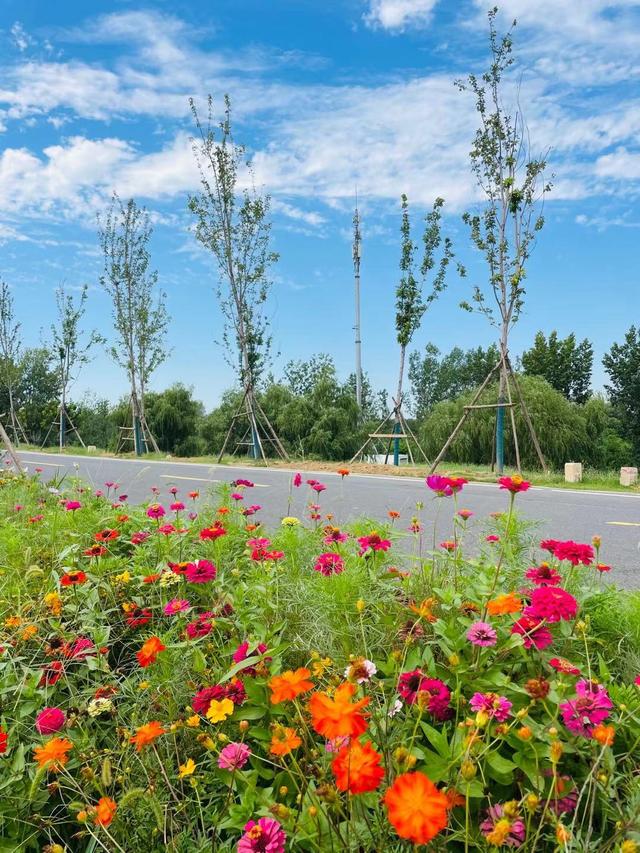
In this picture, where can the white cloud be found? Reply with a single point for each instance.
(399, 14)
(19, 37)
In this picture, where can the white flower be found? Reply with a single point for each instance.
(397, 707)
(360, 670)
(99, 706)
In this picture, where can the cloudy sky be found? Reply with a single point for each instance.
(328, 96)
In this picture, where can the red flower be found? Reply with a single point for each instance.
(543, 575)
(73, 578)
(95, 551)
(514, 484)
(4, 739)
(138, 616)
(329, 564)
(202, 571)
(533, 632)
(213, 532)
(573, 552)
(562, 665)
(51, 673)
(602, 567)
(107, 535)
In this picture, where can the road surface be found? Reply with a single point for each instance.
(560, 513)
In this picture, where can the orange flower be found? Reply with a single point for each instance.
(503, 604)
(417, 809)
(105, 811)
(290, 684)
(338, 716)
(147, 734)
(604, 734)
(357, 768)
(53, 753)
(393, 513)
(454, 798)
(150, 650)
(284, 741)
(344, 472)
(425, 609)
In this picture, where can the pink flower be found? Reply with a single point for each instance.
(492, 538)
(543, 575)
(590, 708)
(514, 484)
(562, 665)
(373, 542)
(265, 836)
(335, 535)
(574, 552)
(251, 510)
(318, 487)
(234, 756)
(465, 514)
(246, 483)
(517, 829)
(551, 603)
(176, 605)
(71, 506)
(297, 480)
(482, 634)
(139, 537)
(533, 632)
(415, 686)
(156, 511)
(81, 648)
(260, 542)
(167, 529)
(202, 571)
(448, 545)
(236, 496)
(201, 626)
(329, 564)
(444, 487)
(177, 506)
(496, 707)
(50, 720)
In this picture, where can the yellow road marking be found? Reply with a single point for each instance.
(205, 480)
(625, 523)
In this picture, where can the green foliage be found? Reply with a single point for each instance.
(622, 363)
(564, 363)
(174, 418)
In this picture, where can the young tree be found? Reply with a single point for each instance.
(140, 315)
(410, 301)
(233, 224)
(512, 181)
(565, 364)
(10, 351)
(70, 347)
(622, 363)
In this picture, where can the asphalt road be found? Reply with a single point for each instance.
(560, 513)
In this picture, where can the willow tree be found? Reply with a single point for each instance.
(71, 346)
(511, 180)
(10, 352)
(417, 289)
(140, 317)
(232, 222)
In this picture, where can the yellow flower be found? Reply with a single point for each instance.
(187, 768)
(143, 685)
(290, 521)
(193, 722)
(53, 601)
(318, 667)
(13, 622)
(206, 741)
(360, 605)
(125, 577)
(219, 710)
(29, 632)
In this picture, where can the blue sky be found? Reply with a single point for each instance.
(327, 96)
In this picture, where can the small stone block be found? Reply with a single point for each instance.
(91, 448)
(628, 476)
(573, 472)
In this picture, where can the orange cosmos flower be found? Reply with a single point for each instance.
(425, 609)
(147, 734)
(357, 768)
(284, 741)
(150, 650)
(417, 810)
(338, 716)
(604, 734)
(53, 753)
(344, 472)
(290, 684)
(393, 513)
(105, 811)
(503, 604)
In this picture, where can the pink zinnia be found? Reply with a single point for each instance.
(71, 506)
(551, 603)
(373, 542)
(497, 707)
(202, 571)
(329, 564)
(246, 483)
(50, 720)
(444, 487)
(177, 506)
(167, 529)
(236, 496)
(80, 649)
(543, 575)
(265, 836)
(214, 532)
(517, 829)
(176, 605)
(590, 708)
(573, 552)
(242, 653)
(482, 634)
(514, 484)
(297, 480)
(201, 626)
(563, 665)
(412, 684)
(335, 535)
(533, 632)
(492, 538)
(465, 514)
(156, 511)
(318, 487)
(234, 756)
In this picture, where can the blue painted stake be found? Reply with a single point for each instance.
(396, 445)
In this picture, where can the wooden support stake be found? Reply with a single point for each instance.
(7, 443)
(528, 420)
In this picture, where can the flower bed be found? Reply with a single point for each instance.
(176, 677)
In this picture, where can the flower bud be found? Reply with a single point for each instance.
(468, 770)
(531, 802)
(243, 725)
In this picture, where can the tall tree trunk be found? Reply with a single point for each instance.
(397, 425)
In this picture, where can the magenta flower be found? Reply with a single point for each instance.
(482, 634)
(444, 487)
(318, 487)
(201, 626)
(202, 571)
(246, 483)
(72, 506)
(236, 496)
(297, 480)
(574, 552)
(177, 506)
(335, 535)
(234, 756)
(265, 836)
(543, 575)
(260, 542)
(533, 632)
(175, 606)
(373, 542)
(416, 687)
(139, 537)
(50, 720)
(156, 511)
(551, 603)
(242, 653)
(329, 564)
(590, 708)
(517, 829)
(496, 707)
